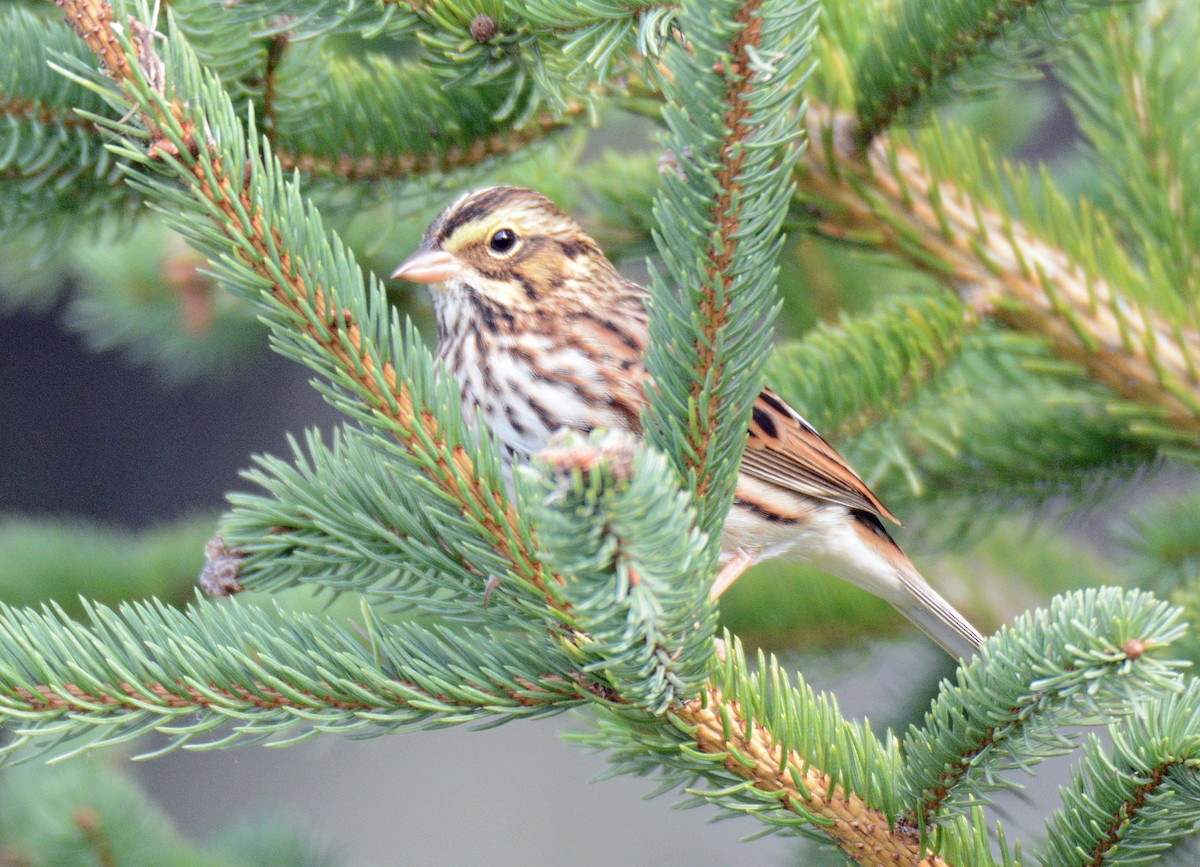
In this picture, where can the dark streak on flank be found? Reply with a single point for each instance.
(521, 352)
(631, 414)
(765, 423)
(476, 338)
(485, 368)
(487, 316)
(543, 414)
(511, 415)
(608, 325)
(766, 514)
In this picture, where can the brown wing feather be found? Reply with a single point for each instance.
(785, 450)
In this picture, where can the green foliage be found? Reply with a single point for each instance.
(1005, 712)
(712, 305)
(628, 543)
(873, 363)
(87, 813)
(534, 53)
(583, 582)
(1146, 780)
(374, 117)
(802, 720)
(54, 170)
(66, 560)
(1029, 684)
(1130, 84)
(271, 676)
(551, 47)
(919, 49)
(84, 813)
(355, 515)
(934, 405)
(1164, 541)
(148, 297)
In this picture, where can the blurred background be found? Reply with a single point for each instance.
(122, 435)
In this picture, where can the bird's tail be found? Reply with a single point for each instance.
(936, 617)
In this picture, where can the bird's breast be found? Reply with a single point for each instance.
(525, 388)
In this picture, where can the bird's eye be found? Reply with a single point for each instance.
(503, 242)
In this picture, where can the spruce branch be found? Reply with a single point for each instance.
(355, 515)
(145, 666)
(189, 674)
(403, 119)
(268, 691)
(534, 54)
(772, 749)
(1004, 426)
(53, 165)
(710, 324)
(1128, 79)
(1130, 802)
(864, 833)
(836, 372)
(359, 117)
(401, 165)
(889, 198)
(929, 400)
(610, 517)
(262, 248)
(1032, 680)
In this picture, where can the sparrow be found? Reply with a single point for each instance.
(543, 334)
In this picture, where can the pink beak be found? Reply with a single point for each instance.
(427, 266)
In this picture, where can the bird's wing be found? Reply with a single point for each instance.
(785, 450)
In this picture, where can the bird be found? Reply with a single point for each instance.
(545, 335)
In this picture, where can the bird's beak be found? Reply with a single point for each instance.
(428, 266)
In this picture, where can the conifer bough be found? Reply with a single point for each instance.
(175, 143)
(744, 740)
(1002, 268)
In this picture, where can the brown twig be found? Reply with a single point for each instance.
(363, 167)
(862, 832)
(127, 696)
(276, 48)
(28, 109)
(1112, 834)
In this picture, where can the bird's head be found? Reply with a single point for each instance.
(511, 247)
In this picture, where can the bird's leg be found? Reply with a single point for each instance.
(732, 571)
